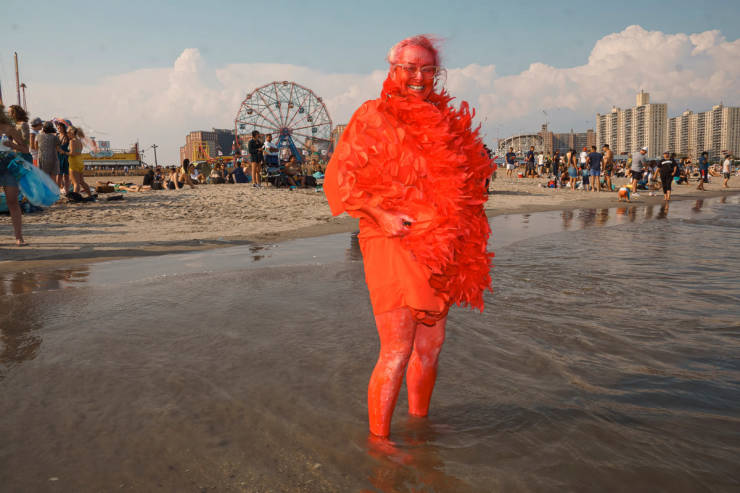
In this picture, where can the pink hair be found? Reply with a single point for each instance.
(426, 41)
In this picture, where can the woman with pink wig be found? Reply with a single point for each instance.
(412, 169)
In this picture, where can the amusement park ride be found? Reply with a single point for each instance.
(294, 115)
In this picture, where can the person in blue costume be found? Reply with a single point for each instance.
(11, 145)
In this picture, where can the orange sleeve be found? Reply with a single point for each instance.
(354, 176)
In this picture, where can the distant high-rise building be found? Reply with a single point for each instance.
(645, 125)
(716, 131)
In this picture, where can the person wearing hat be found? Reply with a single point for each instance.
(668, 168)
(36, 125)
(637, 168)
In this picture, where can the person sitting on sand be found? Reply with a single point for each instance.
(179, 177)
(240, 173)
(217, 175)
(292, 171)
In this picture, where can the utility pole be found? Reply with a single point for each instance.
(154, 146)
(23, 88)
(1, 93)
(17, 80)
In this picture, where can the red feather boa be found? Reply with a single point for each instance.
(429, 163)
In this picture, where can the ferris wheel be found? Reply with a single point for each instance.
(294, 115)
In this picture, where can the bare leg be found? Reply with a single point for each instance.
(396, 330)
(80, 184)
(11, 197)
(421, 373)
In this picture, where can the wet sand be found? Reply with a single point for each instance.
(217, 216)
(241, 369)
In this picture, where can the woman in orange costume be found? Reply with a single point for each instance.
(410, 167)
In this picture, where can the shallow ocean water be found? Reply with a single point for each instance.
(607, 359)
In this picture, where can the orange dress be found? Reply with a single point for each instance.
(422, 159)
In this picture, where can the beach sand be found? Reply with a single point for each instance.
(212, 216)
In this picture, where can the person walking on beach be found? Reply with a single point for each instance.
(510, 162)
(668, 169)
(703, 170)
(637, 168)
(254, 148)
(608, 166)
(420, 255)
(726, 170)
(594, 162)
(11, 145)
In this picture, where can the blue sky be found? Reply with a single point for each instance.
(84, 39)
(154, 70)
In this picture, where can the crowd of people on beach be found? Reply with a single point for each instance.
(591, 170)
(54, 146)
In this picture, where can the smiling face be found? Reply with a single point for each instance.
(408, 75)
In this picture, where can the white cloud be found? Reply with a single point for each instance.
(162, 105)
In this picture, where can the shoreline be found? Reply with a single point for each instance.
(506, 198)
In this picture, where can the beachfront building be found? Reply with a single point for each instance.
(716, 131)
(552, 141)
(200, 145)
(112, 159)
(521, 143)
(645, 125)
(336, 134)
(225, 142)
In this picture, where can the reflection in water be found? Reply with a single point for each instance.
(29, 282)
(587, 216)
(411, 463)
(602, 217)
(254, 250)
(18, 342)
(649, 212)
(698, 205)
(19, 315)
(168, 362)
(567, 219)
(663, 214)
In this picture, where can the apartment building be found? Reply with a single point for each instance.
(644, 125)
(552, 141)
(716, 131)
